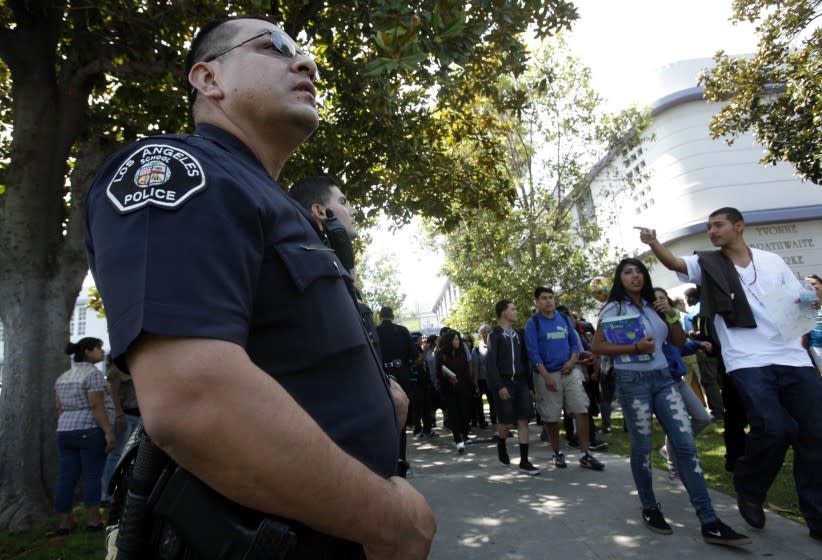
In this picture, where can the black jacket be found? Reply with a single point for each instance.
(722, 291)
(506, 358)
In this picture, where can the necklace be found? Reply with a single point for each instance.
(750, 256)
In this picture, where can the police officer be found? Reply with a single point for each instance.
(334, 217)
(234, 320)
(398, 353)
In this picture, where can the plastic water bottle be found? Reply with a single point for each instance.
(807, 297)
(808, 293)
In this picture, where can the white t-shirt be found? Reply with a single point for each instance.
(762, 346)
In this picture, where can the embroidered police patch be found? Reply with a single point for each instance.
(156, 174)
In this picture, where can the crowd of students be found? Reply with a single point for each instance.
(727, 352)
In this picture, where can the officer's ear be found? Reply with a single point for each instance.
(204, 79)
(318, 212)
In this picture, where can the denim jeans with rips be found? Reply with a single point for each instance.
(643, 394)
(784, 408)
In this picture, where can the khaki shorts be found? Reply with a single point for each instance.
(570, 392)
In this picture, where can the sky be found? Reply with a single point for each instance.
(625, 44)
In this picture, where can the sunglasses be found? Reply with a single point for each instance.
(280, 43)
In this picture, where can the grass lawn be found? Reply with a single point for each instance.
(38, 544)
(782, 497)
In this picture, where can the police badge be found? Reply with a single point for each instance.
(157, 174)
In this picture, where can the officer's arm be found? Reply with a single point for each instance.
(218, 415)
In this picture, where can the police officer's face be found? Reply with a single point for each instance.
(342, 210)
(264, 88)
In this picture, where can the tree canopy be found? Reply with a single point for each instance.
(776, 94)
(548, 235)
(379, 280)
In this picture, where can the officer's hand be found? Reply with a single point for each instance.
(503, 394)
(413, 526)
(400, 402)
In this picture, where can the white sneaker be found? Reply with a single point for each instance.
(461, 448)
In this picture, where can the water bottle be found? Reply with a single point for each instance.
(807, 297)
(808, 293)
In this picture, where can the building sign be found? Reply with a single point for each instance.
(799, 243)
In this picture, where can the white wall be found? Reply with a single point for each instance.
(690, 175)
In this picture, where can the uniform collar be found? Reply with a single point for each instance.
(229, 143)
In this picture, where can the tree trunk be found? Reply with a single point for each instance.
(42, 266)
(35, 336)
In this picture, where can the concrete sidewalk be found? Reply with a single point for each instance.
(485, 510)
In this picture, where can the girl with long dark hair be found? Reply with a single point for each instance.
(456, 391)
(645, 389)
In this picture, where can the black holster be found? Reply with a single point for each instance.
(170, 514)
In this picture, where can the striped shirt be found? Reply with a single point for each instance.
(72, 389)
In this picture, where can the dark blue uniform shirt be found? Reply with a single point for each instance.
(189, 236)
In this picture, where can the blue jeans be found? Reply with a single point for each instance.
(82, 453)
(114, 456)
(784, 408)
(641, 395)
(699, 417)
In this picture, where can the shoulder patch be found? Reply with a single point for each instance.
(157, 174)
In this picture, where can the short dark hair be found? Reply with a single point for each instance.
(501, 306)
(309, 191)
(213, 37)
(541, 290)
(386, 313)
(78, 349)
(692, 292)
(733, 214)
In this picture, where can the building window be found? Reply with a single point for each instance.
(585, 206)
(81, 320)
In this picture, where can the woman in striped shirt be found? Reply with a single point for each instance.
(84, 432)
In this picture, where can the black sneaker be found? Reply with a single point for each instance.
(559, 460)
(597, 444)
(589, 462)
(655, 521)
(502, 453)
(528, 468)
(717, 532)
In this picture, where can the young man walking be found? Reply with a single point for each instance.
(553, 349)
(509, 378)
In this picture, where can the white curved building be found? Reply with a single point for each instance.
(688, 175)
